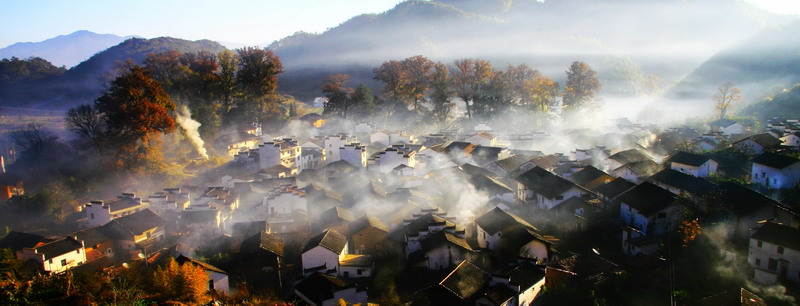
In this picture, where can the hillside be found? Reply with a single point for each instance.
(84, 82)
(785, 104)
(623, 39)
(64, 50)
(765, 61)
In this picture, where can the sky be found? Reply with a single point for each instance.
(253, 22)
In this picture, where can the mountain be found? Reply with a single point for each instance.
(64, 50)
(624, 40)
(766, 61)
(84, 82)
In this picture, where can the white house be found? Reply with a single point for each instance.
(364, 128)
(282, 201)
(791, 140)
(171, 200)
(775, 253)
(284, 152)
(324, 252)
(626, 157)
(756, 144)
(354, 153)
(647, 211)
(390, 158)
(544, 189)
(498, 230)
(56, 256)
(310, 158)
(694, 164)
(775, 171)
(100, 212)
(217, 278)
(727, 127)
(332, 144)
(482, 138)
(525, 282)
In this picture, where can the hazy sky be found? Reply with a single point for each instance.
(238, 21)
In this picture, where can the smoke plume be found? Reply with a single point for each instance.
(190, 126)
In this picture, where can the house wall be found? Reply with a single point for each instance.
(269, 155)
(627, 174)
(55, 265)
(399, 137)
(380, 137)
(391, 159)
(352, 272)
(775, 178)
(332, 145)
(535, 250)
(735, 128)
(370, 240)
(97, 214)
(704, 170)
(749, 146)
(547, 203)
(480, 140)
(318, 256)
(631, 217)
(791, 140)
(155, 233)
(443, 257)
(789, 260)
(485, 240)
(220, 281)
(284, 204)
(356, 156)
(527, 296)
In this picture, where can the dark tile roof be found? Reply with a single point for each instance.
(525, 275)
(614, 188)
(58, 247)
(545, 183)
(499, 294)
(424, 221)
(465, 280)
(366, 221)
(724, 122)
(92, 236)
(590, 174)
(497, 219)
(742, 200)
(122, 203)
(764, 139)
(630, 156)
(513, 163)
(489, 184)
(134, 224)
(263, 241)
(643, 168)
(647, 198)
(329, 239)
(691, 184)
(199, 216)
(335, 215)
(18, 240)
(319, 287)
(776, 161)
(690, 159)
(779, 234)
(439, 238)
(183, 260)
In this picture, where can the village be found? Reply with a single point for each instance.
(468, 215)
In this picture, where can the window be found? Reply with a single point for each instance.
(662, 215)
(63, 262)
(359, 272)
(51, 261)
(78, 251)
(109, 251)
(91, 216)
(210, 284)
(759, 243)
(773, 264)
(780, 250)
(758, 262)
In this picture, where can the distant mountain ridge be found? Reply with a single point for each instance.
(84, 82)
(64, 50)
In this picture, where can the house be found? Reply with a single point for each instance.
(237, 141)
(10, 185)
(56, 256)
(626, 157)
(100, 212)
(522, 285)
(439, 250)
(590, 177)
(169, 201)
(646, 212)
(392, 157)
(504, 167)
(284, 152)
(336, 218)
(16, 241)
(483, 139)
(546, 190)
(501, 230)
(694, 164)
(727, 127)
(354, 153)
(493, 187)
(134, 230)
(364, 128)
(745, 208)
(463, 286)
(95, 242)
(636, 171)
(217, 279)
(283, 201)
(582, 272)
(310, 158)
(206, 221)
(791, 140)
(217, 198)
(776, 171)
(324, 251)
(578, 215)
(263, 252)
(611, 190)
(775, 253)
(331, 145)
(386, 137)
(368, 235)
(682, 183)
(319, 289)
(757, 144)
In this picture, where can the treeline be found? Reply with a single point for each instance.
(13, 70)
(417, 86)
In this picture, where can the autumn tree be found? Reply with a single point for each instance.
(165, 67)
(471, 78)
(228, 65)
(582, 86)
(338, 94)
(726, 94)
(441, 85)
(185, 282)
(542, 93)
(127, 118)
(415, 78)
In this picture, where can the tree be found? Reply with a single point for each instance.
(415, 81)
(363, 100)
(542, 93)
(186, 282)
(338, 94)
(86, 121)
(228, 64)
(257, 80)
(441, 83)
(136, 109)
(472, 77)
(582, 86)
(726, 94)
(391, 74)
